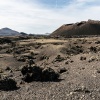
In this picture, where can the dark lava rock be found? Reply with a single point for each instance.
(98, 42)
(93, 49)
(5, 40)
(82, 58)
(21, 58)
(7, 84)
(8, 68)
(62, 70)
(44, 57)
(59, 58)
(49, 74)
(83, 90)
(31, 73)
(9, 50)
(36, 73)
(73, 50)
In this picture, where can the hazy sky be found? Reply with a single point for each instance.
(42, 16)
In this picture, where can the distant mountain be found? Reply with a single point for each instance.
(47, 33)
(90, 27)
(8, 32)
(23, 33)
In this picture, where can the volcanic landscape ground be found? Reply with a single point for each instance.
(78, 57)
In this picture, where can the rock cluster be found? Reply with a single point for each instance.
(36, 73)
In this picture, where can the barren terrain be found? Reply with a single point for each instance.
(77, 60)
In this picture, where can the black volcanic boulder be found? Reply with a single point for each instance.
(49, 74)
(36, 73)
(31, 73)
(7, 84)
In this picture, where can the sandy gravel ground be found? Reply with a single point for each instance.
(79, 56)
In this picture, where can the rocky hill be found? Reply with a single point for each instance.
(90, 27)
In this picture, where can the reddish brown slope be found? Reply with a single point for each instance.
(89, 27)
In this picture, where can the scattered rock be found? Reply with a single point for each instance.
(82, 58)
(1, 56)
(71, 61)
(33, 54)
(98, 70)
(66, 62)
(1, 71)
(59, 58)
(44, 57)
(81, 89)
(5, 40)
(93, 59)
(8, 68)
(93, 49)
(9, 50)
(98, 42)
(73, 50)
(30, 62)
(37, 45)
(21, 58)
(62, 70)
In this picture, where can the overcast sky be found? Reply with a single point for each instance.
(44, 16)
